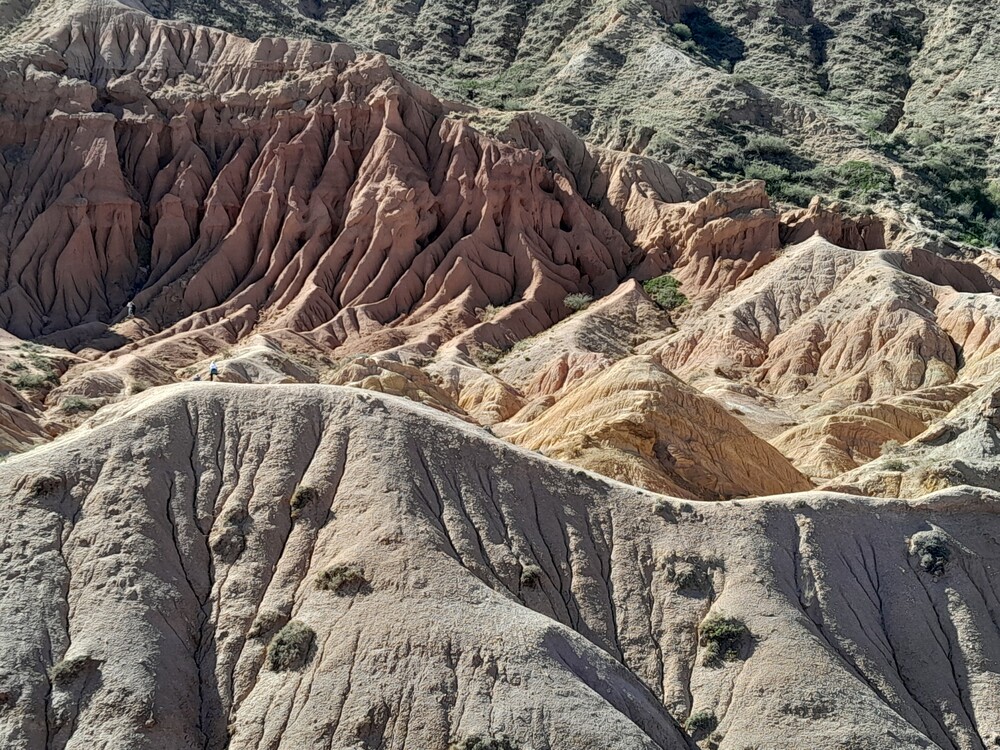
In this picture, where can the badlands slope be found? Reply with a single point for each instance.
(843, 97)
(296, 191)
(503, 594)
(289, 198)
(371, 534)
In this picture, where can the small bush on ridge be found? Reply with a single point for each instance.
(289, 649)
(722, 639)
(578, 302)
(665, 292)
(342, 579)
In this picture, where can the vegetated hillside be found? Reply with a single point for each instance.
(845, 97)
(231, 566)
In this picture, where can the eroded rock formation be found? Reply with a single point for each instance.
(636, 422)
(200, 520)
(366, 563)
(228, 185)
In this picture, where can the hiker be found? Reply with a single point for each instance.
(130, 309)
(213, 370)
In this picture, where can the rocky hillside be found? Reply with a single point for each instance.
(311, 566)
(842, 98)
(292, 186)
(306, 206)
(524, 441)
(304, 214)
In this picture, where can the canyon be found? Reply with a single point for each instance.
(525, 433)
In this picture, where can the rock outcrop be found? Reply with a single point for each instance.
(958, 448)
(717, 242)
(398, 379)
(842, 98)
(227, 186)
(606, 331)
(20, 422)
(852, 323)
(364, 562)
(829, 446)
(832, 223)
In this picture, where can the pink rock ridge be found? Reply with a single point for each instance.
(227, 186)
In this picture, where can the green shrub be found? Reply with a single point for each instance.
(531, 576)
(505, 91)
(138, 386)
(701, 722)
(34, 380)
(577, 302)
(342, 580)
(682, 31)
(303, 496)
(665, 292)
(891, 447)
(931, 548)
(767, 145)
(895, 464)
(722, 638)
(954, 190)
(483, 742)
(78, 405)
(864, 179)
(992, 191)
(42, 374)
(729, 159)
(289, 649)
(918, 138)
(790, 192)
(486, 314)
(763, 170)
(488, 355)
